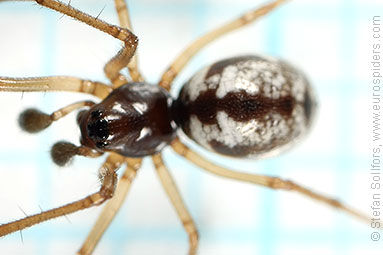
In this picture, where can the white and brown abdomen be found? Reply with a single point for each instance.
(246, 106)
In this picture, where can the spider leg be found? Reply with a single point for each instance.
(54, 83)
(183, 58)
(112, 207)
(124, 20)
(122, 58)
(175, 197)
(109, 179)
(262, 180)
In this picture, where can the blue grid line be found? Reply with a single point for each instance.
(346, 119)
(268, 210)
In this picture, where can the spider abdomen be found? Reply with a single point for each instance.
(246, 106)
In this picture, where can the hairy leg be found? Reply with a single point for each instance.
(183, 58)
(122, 58)
(108, 177)
(54, 83)
(111, 208)
(262, 180)
(125, 22)
(176, 199)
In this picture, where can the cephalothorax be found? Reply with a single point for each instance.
(135, 120)
(245, 106)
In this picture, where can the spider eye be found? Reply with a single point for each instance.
(96, 114)
(101, 145)
(98, 130)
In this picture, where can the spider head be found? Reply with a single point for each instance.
(134, 120)
(94, 128)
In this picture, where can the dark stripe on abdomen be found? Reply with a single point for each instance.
(240, 106)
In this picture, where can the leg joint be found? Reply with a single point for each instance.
(106, 193)
(278, 183)
(179, 147)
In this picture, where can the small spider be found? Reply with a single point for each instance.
(246, 106)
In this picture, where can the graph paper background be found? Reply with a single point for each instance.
(329, 40)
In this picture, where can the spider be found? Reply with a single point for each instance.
(96, 123)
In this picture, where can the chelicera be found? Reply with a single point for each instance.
(246, 106)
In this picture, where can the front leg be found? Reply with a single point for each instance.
(106, 191)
